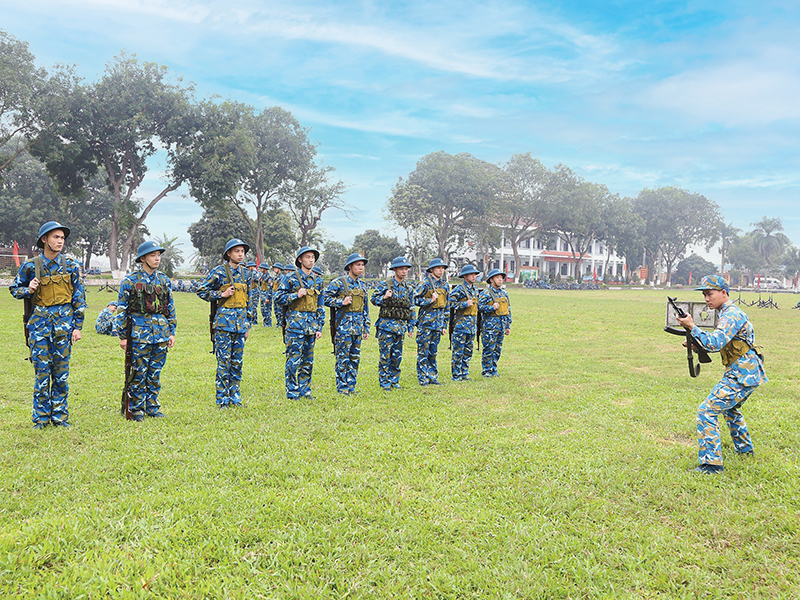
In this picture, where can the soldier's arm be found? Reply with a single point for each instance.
(19, 289)
(727, 328)
(208, 290)
(172, 319)
(377, 295)
(330, 295)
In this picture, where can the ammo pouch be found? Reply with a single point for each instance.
(275, 284)
(441, 299)
(54, 290)
(471, 311)
(357, 305)
(307, 303)
(736, 349)
(265, 286)
(150, 299)
(239, 298)
(502, 311)
(395, 308)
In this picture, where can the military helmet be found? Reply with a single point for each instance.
(278, 265)
(713, 282)
(354, 258)
(250, 263)
(264, 265)
(47, 228)
(468, 270)
(302, 251)
(317, 270)
(146, 248)
(436, 262)
(400, 261)
(494, 272)
(232, 244)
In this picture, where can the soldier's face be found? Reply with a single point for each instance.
(470, 277)
(152, 260)
(236, 254)
(497, 281)
(357, 268)
(437, 272)
(55, 240)
(276, 271)
(715, 298)
(401, 273)
(307, 260)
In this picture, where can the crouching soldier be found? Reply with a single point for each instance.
(734, 339)
(395, 319)
(55, 300)
(431, 297)
(265, 294)
(463, 322)
(104, 325)
(495, 308)
(145, 322)
(299, 297)
(347, 298)
(227, 287)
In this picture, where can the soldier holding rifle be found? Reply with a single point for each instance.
(464, 322)
(495, 306)
(431, 297)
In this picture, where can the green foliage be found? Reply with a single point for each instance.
(694, 264)
(333, 256)
(172, 257)
(567, 477)
(768, 240)
(378, 249)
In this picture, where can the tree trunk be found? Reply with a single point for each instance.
(515, 253)
(113, 241)
(89, 247)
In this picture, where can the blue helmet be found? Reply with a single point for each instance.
(251, 263)
(494, 272)
(713, 282)
(47, 228)
(287, 267)
(278, 265)
(232, 244)
(316, 269)
(468, 270)
(354, 258)
(398, 262)
(264, 265)
(436, 262)
(302, 251)
(147, 248)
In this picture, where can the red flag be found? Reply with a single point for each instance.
(16, 253)
(690, 278)
(758, 283)
(594, 274)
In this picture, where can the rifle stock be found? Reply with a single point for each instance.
(125, 408)
(692, 345)
(26, 316)
(211, 316)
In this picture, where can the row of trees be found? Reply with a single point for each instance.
(138, 123)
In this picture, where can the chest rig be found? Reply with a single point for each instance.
(240, 293)
(309, 302)
(502, 310)
(149, 298)
(471, 294)
(394, 307)
(357, 305)
(441, 299)
(53, 289)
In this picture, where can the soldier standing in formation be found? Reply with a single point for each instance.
(495, 307)
(431, 297)
(265, 294)
(53, 285)
(464, 319)
(734, 339)
(277, 275)
(229, 285)
(348, 296)
(146, 319)
(395, 319)
(300, 296)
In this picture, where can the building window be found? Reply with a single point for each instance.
(525, 244)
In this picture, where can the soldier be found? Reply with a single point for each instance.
(265, 294)
(52, 285)
(431, 296)
(350, 321)
(255, 280)
(146, 319)
(734, 339)
(277, 275)
(229, 285)
(104, 325)
(395, 319)
(300, 296)
(463, 322)
(495, 307)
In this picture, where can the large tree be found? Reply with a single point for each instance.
(727, 236)
(378, 249)
(692, 268)
(119, 123)
(622, 232)
(310, 196)
(445, 194)
(675, 219)
(768, 239)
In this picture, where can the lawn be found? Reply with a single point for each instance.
(567, 477)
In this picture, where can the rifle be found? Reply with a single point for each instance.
(692, 345)
(29, 304)
(211, 316)
(125, 409)
(337, 316)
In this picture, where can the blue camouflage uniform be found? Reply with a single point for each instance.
(50, 335)
(149, 335)
(465, 326)
(265, 298)
(104, 325)
(430, 324)
(742, 376)
(493, 327)
(255, 288)
(352, 323)
(305, 317)
(230, 328)
(390, 331)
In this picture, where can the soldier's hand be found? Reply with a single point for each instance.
(123, 343)
(365, 336)
(76, 335)
(687, 322)
(508, 332)
(227, 293)
(496, 305)
(434, 296)
(246, 334)
(469, 302)
(347, 300)
(317, 335)
(444, 331)
(388, 294)
(411, 334)
(171, 341)
(301, 292)
(33, 285)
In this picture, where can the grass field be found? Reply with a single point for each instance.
(567, 477)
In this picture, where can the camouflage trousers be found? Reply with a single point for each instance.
(229, 348)
(348, 355)
(50, 358)
(266, 310)
(492, 340)
(462, 354)
(147, 360)
(299, 364)
(391, 355)
(725, 399)
(278, 315)
(427, 348)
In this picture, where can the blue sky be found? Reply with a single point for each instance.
(699, 94)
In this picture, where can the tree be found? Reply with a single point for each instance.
(172, 257)
(727, 235)
(333, 256)
(119, 123)
(216, 226)
(310, 196)
(622, 231)
(674, 220)
(378, 249)
(695, 266)
(443, 195)
(743, 255)
(790, 263)
(767, 239)
(89, 216)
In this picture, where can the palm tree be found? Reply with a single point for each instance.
(727, 235)
(766, 241)
(172, 257)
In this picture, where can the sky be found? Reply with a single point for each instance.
(631, 94)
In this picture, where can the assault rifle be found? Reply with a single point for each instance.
(691, 343)
(125, 409)
(29, 304)
(212, 314)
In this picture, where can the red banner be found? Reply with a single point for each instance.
(16, 253)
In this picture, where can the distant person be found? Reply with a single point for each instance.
(265, 294)
(495, 307)
(464, 319)
(277, 275)
(431, 297)
(734, 339)
(104, 324)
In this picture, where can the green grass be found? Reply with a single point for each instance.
(567, 477)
